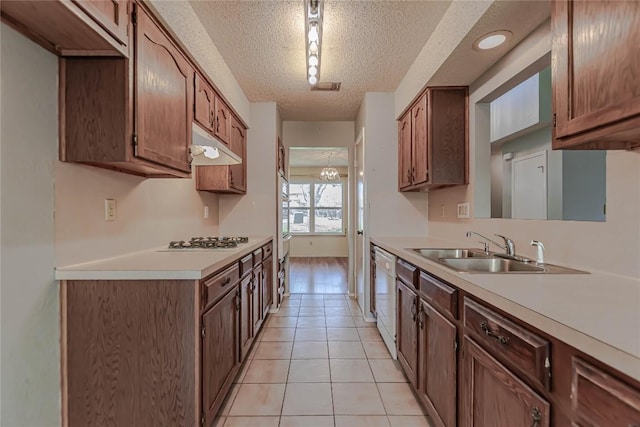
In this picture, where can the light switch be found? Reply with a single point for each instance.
(109, 209)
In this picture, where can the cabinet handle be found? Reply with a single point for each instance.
(488, 332)
(420, 315)
(413, 174)
(212, 118)
(237, 300)
(409, 175)
(413, 310)
(536, 416)
(226, 282)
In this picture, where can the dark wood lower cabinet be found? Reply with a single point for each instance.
(220, 351)
(437, 368)
(246, 316)
(492, 396)
(267, 285)
(256, 298)
(407, 334)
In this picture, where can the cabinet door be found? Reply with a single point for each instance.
(110, 14)
(164, 97)
(238, 173)
(246, 318)
(438, 364)
(256, 296)
(223, 121)
(595, 64)
(204, 103)
(404, 151)
(420, 142)
(219, 351)
(407, 334)
(267, 285)
(493, 396)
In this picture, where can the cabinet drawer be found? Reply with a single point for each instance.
(525, 351)
(407, 272)
(267, 250)
(599, 399)
(439, 293)
(220, 283)
(246, 264)
(257, 256)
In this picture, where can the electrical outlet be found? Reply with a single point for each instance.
(463, 210)
(442, 211)
(206, 212)
(109, 209)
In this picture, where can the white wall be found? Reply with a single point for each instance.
(30, 371)
(255, 213)
(318, 134)
(572, 243)
(150, 212)
(391, 213)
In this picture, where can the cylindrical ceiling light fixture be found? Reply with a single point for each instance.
(313, 38)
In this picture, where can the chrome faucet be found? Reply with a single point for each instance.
(509, 247)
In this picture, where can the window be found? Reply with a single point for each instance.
(316, 207)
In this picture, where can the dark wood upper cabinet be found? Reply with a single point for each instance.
(230, 178)
(220, 348)
(164, 97)
(72, 28)
(406, 330)
(129, 114)
(433, 140)
(204, 108)
(110, 14)
(437, 369)
(596, 74)
(492, 396)
(404, 151)
(223, 121)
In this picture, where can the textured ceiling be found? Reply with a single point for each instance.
(309, 157)
(368, 46)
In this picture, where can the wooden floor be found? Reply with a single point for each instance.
(327, 275)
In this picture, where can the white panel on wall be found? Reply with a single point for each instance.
(30, 376)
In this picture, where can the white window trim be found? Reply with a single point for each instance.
(315, 180)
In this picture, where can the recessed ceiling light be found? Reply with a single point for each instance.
(491, 40)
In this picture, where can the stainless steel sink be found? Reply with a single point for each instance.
(477, 261)
(450, 253)
(491, 265)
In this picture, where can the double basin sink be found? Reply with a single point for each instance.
(477, 261)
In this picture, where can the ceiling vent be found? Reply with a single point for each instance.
(326, 86)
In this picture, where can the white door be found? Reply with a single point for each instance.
(359, 237)
(529, 186)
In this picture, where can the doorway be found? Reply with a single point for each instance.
(318, 217)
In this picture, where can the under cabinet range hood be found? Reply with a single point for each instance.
(208, 151)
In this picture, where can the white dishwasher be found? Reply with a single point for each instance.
(385, 294)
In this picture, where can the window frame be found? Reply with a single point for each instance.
(312, 181)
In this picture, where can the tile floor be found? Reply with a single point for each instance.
(316, 363)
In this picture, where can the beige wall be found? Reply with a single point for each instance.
(319, 246)
(318, 134)
(150, 212)
(612, 246)
(29, 314)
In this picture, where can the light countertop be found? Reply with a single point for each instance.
(160, 264)
(597, 313)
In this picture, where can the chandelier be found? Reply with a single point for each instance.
(329, 173)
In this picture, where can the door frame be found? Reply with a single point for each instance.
(353, 218)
